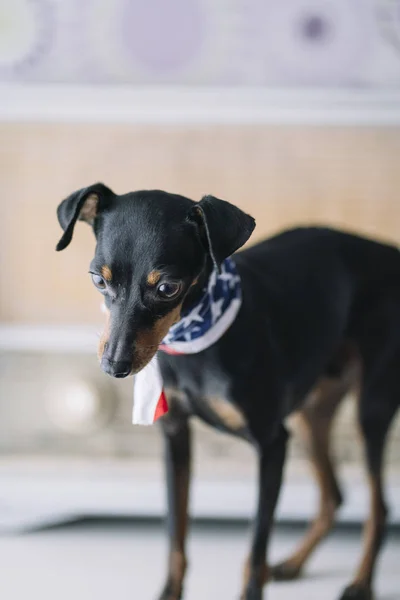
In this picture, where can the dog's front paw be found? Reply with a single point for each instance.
(253, 592)
(357, 592)
(285, 571)
(171, 593)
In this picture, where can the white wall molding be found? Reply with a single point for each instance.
(179, 105)
(136, 489)
(79, 339)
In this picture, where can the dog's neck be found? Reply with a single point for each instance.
(196, 291)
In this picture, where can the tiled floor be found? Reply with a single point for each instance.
(125, 560)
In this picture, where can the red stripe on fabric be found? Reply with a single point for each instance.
(168, 350)
(161, 408)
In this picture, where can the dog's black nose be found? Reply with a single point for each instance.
(116, 369)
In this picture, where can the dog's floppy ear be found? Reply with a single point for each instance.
(223, 227)
(82, 205)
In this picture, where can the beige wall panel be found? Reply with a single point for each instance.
(282, 175)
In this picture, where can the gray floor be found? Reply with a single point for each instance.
(125, 560)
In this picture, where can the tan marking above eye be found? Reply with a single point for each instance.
(153, 277)
(106, 272)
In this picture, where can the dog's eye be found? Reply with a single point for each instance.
(98, 281)
(169, 290)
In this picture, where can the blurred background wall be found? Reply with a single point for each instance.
(288, 108)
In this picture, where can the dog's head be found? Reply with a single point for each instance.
(153, 249)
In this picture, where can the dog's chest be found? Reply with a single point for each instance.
(197, 386)
(216, 409)
(206, 393)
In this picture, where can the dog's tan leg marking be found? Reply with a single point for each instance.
(374, 527)
(261, 576)
(178, 459)
(314, 424)
(177, 565)
(228, 414)
(373, 532)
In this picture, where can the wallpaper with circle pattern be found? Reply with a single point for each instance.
(201, 42)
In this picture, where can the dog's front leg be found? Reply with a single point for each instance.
(177, 457)
(271, 461)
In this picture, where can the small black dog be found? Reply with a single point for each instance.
(320, 313)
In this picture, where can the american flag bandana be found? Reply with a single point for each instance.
(197, 330)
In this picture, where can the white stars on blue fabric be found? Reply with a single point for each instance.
(213, 314)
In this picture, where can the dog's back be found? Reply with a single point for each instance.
(292, 254)
(319, 286)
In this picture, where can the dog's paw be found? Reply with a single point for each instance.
(285, 571)
(252, 593)
(169, 596)
(169, 593)
(357, 592)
